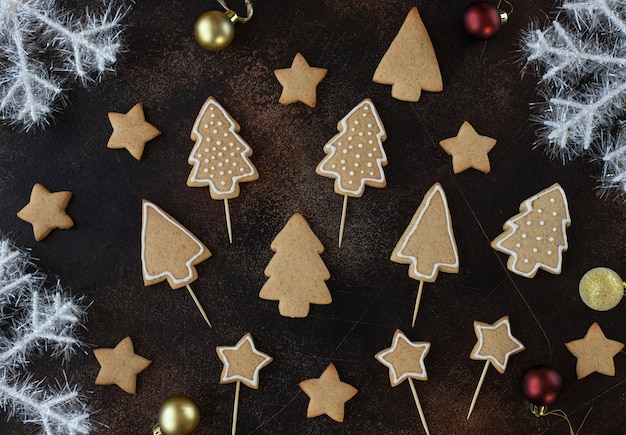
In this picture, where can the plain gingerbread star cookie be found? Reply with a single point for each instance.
(120, 366)
(469, 149)
(328, 394)
(131, 131)
(46, 211)
(300, 82)
(594, 353)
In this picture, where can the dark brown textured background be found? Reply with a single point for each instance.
(165, 69)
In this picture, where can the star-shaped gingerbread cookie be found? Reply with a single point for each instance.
(469, 149)
(405, 359)
(131, 131)
(328, 394)
(120, 366)
(495, 343)
(46, 211)
(300, 82)
(594, 353)
(242, 362)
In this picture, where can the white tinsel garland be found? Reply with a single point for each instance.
(35, 321)
(581, 61)
(42, 46)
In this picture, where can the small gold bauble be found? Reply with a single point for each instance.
(601, 288)
(178, 416)
(215, 30)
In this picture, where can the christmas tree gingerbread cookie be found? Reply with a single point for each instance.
(220, 157)
(410, 63)
(428, 245)
(169, 251)
(355, 156)
(536, 237)
(296, 273)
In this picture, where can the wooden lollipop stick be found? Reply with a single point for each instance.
(195, 299)
(419, 406)
(228, 225)
(343, 218)
(417, 302)
(236, 407)
(480, 384)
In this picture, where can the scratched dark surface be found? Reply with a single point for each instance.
(165, 69)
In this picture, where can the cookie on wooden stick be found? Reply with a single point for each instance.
(220, 157)
(169, 251)
(428, 245)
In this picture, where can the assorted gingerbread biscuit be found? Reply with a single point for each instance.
(46, 211)
(131, 131)
(120, 366)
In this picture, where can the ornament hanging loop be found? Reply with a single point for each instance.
(232, 15)
(504, 15)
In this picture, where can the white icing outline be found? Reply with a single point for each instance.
(422, 376)
(491, 358)
(333, 150)
(514, 227)
(438, 188)
(255, 380)
(192, 160)
(189, 264)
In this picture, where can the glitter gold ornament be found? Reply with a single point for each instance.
(601, 289)
(177, 416)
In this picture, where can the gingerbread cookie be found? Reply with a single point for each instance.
(300, 82)
(169, 251)
(410, 63)
(469, 149)
(131, 131)
(536, 237)
(120, 366)
(296, 273)
(328, 394)
(594, 353)
(46, 211)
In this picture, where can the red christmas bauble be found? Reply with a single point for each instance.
(482, 20)
(541, 385)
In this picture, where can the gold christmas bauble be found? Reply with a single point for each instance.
(215, 30)
(178, 416)
(601, 288)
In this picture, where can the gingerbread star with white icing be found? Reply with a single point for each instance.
(242, 362)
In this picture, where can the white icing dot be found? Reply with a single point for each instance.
(223, 183)
(554, 213)
(230, 172)
(238, 148)
(554, 230)
(339, 144)
(351, 173)
(215, 131)
(542, 222)
(350, 146)
(349, 181)
(369, 125)
(552, 200)
(221, 172)
(370, 141)
(535, 250)
(343, 168)
(213, 168)
(360, 145)
(220, 164)
(212, 157)
(333, 166)
(362, 172)
(524, 235)
(369, 133)
(370, 155)
(374, 149)
(526, 260)
(206, 160)
(241, 169)
(539, 210)
(199, 155)
(549, 252)
(356, 122)
(208, 139)
(371, 173)
(206, 170)
(206, 150)
(345, 151)
(226, 134)
(232, 154)
(211, 108)
(349, 138)
(369, 164)
(528, 223)
(352, 129)
(227, 160)
(551, 239)
(206, 126)
(234, 163)
(356, 164)
(343, 161)
(518, 245)
(211, 176)
(538, 238)
(220, 154)
(360, 133)
(214, 149)
(219, 122)
(225, 148)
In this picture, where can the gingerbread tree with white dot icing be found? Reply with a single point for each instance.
(536, 237)
(220, 157)
(355, 156)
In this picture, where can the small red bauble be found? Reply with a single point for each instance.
(482, 20)
(541, 385)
